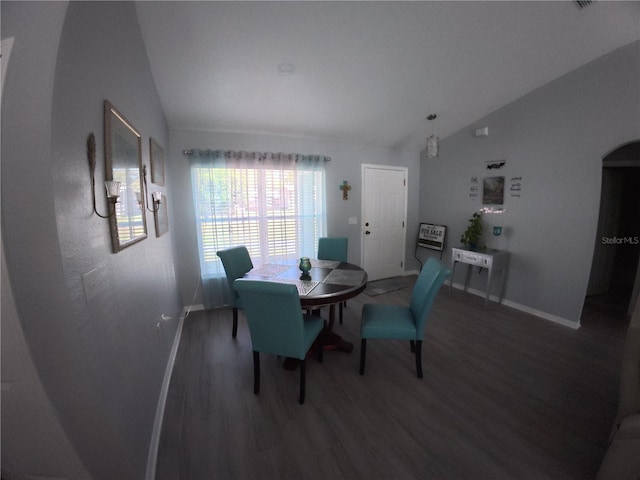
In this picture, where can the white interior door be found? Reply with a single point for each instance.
(384, 219)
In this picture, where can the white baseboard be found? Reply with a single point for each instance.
(152, 458)
(523, 308)
(194, 308)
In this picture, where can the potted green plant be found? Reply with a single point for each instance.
(472, 234)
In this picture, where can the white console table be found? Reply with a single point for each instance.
(491, 259)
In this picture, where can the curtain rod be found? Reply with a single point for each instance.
(258, 155)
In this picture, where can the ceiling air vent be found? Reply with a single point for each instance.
(583, 3)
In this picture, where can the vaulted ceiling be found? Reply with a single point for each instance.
(367, 72)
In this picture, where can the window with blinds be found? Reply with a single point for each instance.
(278, 214)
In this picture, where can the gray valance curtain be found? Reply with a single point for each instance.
(212, 155)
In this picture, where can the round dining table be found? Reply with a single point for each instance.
(327, 284)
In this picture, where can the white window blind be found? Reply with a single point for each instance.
(275, 209)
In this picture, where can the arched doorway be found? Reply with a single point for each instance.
(615, 271)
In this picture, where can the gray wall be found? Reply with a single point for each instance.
(101, 360)
(555, 139)
(33, 439)
(345, 164)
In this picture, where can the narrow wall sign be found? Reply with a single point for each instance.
(516, 186)
(473, 188)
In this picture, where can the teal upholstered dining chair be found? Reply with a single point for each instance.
(236, 262)
(333, 248)
(277, 324)
(399, 322)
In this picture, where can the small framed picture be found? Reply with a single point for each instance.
(157, 162)
(432, 236)
(493, 191)
(160, 217)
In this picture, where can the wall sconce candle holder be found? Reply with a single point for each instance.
(113, 190)
(112, 187)
(156, 196)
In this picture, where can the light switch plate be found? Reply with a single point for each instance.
(90, 282)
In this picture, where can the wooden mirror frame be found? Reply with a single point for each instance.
(123, 162)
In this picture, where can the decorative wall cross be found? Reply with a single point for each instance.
(345, 187)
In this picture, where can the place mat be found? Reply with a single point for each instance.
(324, 263)
(345, 277)
(303, 286)
(269, 270)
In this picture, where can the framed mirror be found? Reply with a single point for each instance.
(123, 163)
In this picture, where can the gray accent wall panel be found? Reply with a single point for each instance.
(101, 359)
(555, 139)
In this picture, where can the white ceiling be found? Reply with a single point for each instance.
(368, 72)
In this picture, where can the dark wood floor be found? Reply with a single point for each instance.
(505, 396)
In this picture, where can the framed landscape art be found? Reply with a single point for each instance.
(493, 191)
